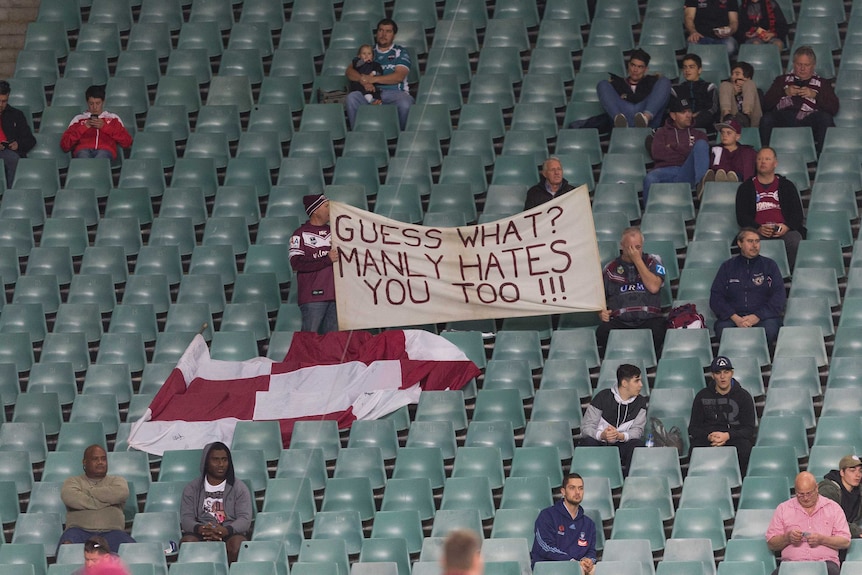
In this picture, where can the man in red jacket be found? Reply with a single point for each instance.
(680, 151)
(95, 133)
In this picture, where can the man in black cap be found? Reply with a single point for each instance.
(311, 257)
(842, 486)
(723, 413)
(680, 151)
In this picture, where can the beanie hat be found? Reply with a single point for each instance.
(312, 202)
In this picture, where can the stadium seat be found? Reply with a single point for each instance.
(641, 523)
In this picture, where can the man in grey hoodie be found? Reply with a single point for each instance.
(216, 506)
(842, 486)
(617, 416)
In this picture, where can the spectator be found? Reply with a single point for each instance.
(748, 290)
(551, 184)
(723, 414)
(616, 416)
(16, 139)
(808, 527)
(311, 257)
(94, 503)
(738, 97)
(680, 151)
(564, 532)
(842, 486)
(633, 291)
(800, 98)
(392, 83)
(462, 553)
(701, 94)
(95, 133)
(731, 161)
(637, 100)
(366, 65)
(217, 505)
(770, 204)
(712, 22)
(762, 22)
(97, 553)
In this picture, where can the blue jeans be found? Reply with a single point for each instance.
(654, 103)
(319, 316)
(771, 325)
(692, 170)
(10, 164)
(94, 154)
(402, 100)
(730, 43)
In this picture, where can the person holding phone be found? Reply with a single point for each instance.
(770, 204)
(95, 133)
(16, 139)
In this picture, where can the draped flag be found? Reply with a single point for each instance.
(541, 261)
(343, 376)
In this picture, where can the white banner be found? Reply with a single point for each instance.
(390, 273)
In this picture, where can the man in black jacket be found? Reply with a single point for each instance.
(16, 139)
(842, 486)
(551, 185)
(770, 204)
(638, 100)
(723, 414)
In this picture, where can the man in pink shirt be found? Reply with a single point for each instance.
(809, 527)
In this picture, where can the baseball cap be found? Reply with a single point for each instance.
(720, 363)
(732, 124)
(679, 105)
(849, 461)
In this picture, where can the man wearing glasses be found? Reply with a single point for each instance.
(808, 527)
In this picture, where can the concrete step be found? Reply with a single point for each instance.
(14, 17)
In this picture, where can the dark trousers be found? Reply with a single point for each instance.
(657, 325)
(742, 445)
(626, 449)
(819, 122)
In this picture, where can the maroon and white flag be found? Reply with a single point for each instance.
(343, 376)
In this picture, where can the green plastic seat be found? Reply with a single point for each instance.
(303, 463)
(100, 407)
(763, 492)
(640, 523)
(718, 460)
(703, 491)
(409, 495)
(469, 494)
(420, 462)
(553, 405)
(599, 462)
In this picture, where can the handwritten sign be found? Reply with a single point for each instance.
(537, 262)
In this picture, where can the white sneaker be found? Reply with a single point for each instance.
(620, 121)
(641, 120)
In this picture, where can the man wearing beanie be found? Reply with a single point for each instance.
(311, 257)
(842, 486)
(722, 413)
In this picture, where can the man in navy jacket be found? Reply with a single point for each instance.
(564, 532)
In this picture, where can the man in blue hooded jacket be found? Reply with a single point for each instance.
(564, 532)
(216, 506)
